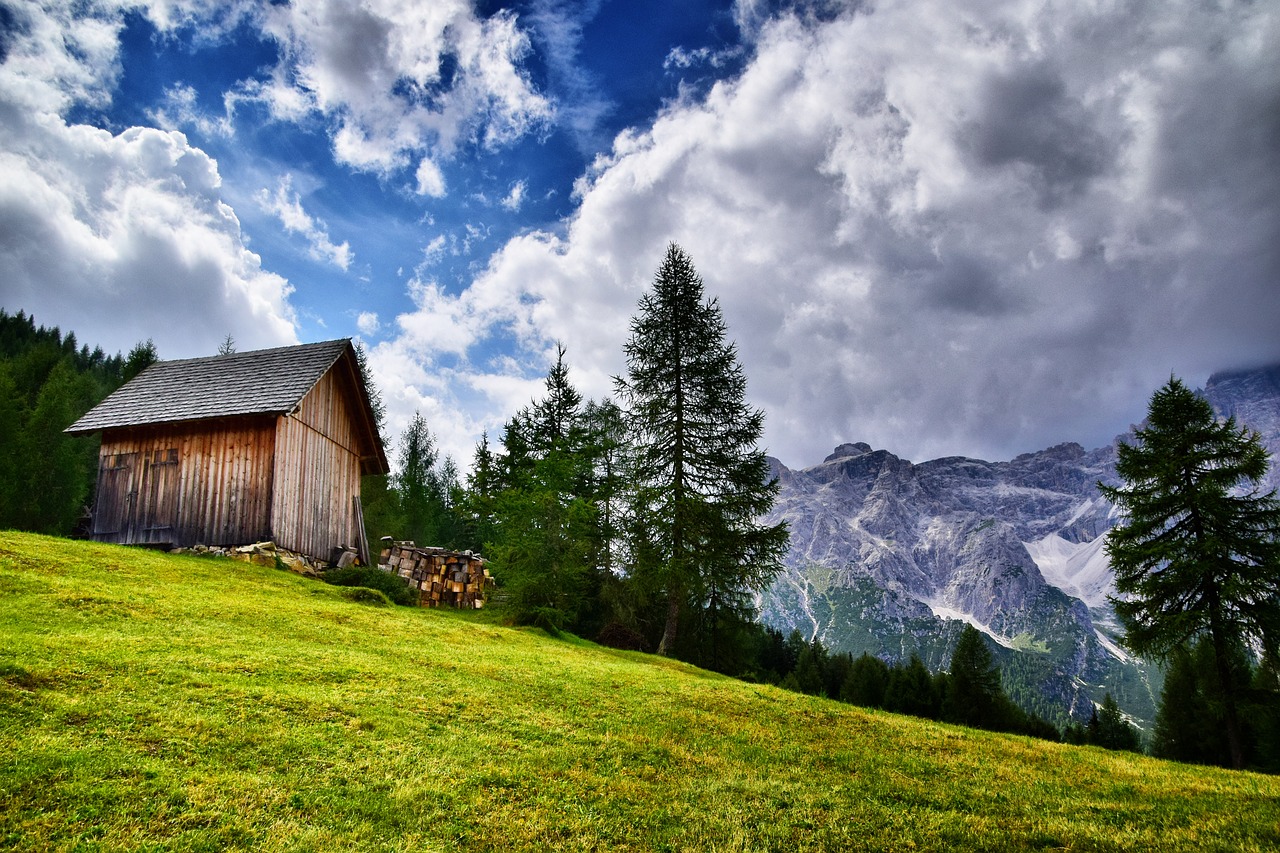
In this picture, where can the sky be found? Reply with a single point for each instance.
(941, 227)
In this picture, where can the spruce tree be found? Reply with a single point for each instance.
(607, 449)
(544, 541)
(477, 511)
(1183, 719)
(973, 689)
(378, 500)
(1190, 725)
(1198, 552)
(1113, 730)
(423, 487)
(142, 356)
(701, 480)
(13, 417)
(912, 690)
(867, 682)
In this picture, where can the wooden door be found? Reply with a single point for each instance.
(114, 506)
(137, 500)
(157, 504)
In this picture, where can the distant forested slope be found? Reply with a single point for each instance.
(47, 380)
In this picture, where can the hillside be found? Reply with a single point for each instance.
(150, 701)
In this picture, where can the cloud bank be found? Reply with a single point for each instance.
(134, 223)
(942, 228)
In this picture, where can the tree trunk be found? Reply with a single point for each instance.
(1227, 684)
(668, 640)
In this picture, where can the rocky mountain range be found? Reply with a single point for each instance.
(892, 557)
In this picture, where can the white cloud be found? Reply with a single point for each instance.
(367, 322)
(286, 205)
(515, 199)
(181, 109)
(58, 57)
(937, 227)
(682, 59)
(430, 179)
(402, 80)
(582, 105)
(130, 226)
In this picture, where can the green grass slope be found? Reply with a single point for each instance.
(155, 702)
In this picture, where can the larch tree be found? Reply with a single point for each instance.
(701, 480)
(1197, 555)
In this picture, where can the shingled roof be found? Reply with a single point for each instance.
(261, 382)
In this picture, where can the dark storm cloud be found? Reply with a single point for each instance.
(1027, 121)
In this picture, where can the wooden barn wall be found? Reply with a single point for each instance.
(317, 471)
(207, 483)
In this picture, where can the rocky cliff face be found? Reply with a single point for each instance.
(891, 557)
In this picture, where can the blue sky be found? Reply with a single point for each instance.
(943, 228)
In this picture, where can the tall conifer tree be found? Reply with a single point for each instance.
(1198, 554)
(973, 689)
(701, 479)
(545, 541)
(423, 486)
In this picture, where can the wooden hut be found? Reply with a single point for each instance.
(238, 448)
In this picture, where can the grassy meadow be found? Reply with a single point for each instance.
(157, 702)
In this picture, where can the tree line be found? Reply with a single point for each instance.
(968, 692)
(47, 381)
(633, 520)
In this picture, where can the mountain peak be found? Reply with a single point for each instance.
(848, 451)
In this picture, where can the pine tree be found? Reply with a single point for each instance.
(701, 480)
(423, 487)
(476, 508)
(545, 539)
(973, 689)
(142, 356)
(378, 498)
(1198, 553)
(1266, 717)
(1183, 721)
(867, 682)
(556, 423)
(912, 690)
(1190, 724)
(607, 449)
(13, 415)
(1113, 730)
(811, 667)
(58, 467)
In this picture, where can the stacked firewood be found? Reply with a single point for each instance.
(457, 578)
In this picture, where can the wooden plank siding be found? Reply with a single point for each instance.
(238, 448)
(318, 470)
(208, 483)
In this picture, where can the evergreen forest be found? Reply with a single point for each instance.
(47, 381)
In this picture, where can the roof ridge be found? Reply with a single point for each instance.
(257, 382)
(253, 352)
